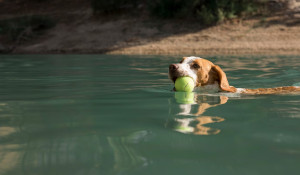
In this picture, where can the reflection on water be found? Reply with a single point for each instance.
(58, 150)
(66, 137)
(189, 122)
(117, 115)
(125, 156)
(9, 154)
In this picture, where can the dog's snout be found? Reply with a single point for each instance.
(173, 67)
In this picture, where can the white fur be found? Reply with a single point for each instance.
(190, 59)
(186, 70)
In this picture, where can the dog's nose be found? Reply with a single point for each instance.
(173, 67)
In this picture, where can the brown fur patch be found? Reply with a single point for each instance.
(276, 90)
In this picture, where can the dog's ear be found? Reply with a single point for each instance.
(223, 82)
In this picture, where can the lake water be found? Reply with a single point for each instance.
(99, 114)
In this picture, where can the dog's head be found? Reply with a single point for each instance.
(202, 71)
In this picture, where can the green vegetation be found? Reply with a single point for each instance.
(168, 8)
(206, 11)
(23, 28)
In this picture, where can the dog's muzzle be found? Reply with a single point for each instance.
(173, 72)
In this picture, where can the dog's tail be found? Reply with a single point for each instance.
(276, 90)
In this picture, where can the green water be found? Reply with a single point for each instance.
(99, 114)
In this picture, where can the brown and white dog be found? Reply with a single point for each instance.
(208, 76)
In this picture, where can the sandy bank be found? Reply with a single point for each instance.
(140, 37)
(79, 32)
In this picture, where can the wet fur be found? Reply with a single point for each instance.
(206, 73)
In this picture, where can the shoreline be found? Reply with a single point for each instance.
(273, 35)
(139, 37)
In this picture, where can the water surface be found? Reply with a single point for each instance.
(99, 114)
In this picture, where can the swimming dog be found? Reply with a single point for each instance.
(208, 76)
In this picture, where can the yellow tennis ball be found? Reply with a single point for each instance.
(185, 84)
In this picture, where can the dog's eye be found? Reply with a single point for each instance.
(196, 66)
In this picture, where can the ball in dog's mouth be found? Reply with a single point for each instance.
(185, 84)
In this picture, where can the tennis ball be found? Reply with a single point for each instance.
(184, 97)
(185, 84)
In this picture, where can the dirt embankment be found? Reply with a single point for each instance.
(77, 31)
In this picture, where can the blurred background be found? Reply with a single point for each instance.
(150, 26)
